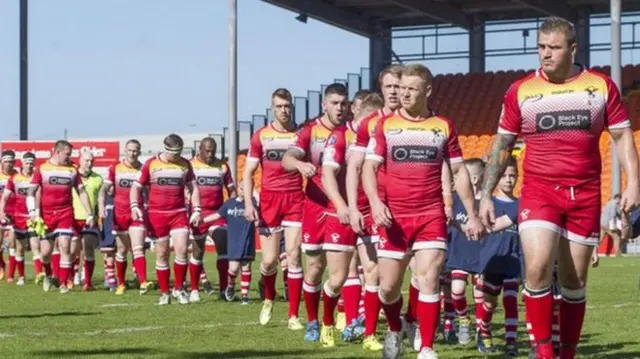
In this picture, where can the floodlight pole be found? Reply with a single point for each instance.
(24, 70)
(616, 76)
(233, 82)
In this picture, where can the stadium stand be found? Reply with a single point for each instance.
(476, 122)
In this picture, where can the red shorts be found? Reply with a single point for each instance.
(280, 209)
(165, 224)
(81, 228)
(371, 233)
(19, 223)
(313, 226)
(59, 222)
(338, 237)
(204, 228)
(122, 222)
(411, 234)
(573, 212)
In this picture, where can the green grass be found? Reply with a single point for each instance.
(102, 325)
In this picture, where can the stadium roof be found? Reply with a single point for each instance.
(360, 16)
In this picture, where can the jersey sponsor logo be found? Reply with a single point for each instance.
(394, 131)
(274, 155)
(125, 183)
(414, 153)
(591, 92)
(62, 181)
(332, 140)
(168, 181)
(533, 98)
(462, 217)
(563, 120)
(208, 181)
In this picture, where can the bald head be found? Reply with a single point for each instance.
(207, 150)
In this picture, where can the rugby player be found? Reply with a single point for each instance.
(17, 187)
(561, 111)
(462, 257)
(130, 235)
(389, 84)
(56, 179)
(212, 176)
(281, 200)
(341, 241)
(87, 237)
(6, 229)
(305, 157)
(412, 144)
(166, 176)
(500, 263)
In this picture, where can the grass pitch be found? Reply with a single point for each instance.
(34, 324)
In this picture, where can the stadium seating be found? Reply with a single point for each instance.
(473, 102)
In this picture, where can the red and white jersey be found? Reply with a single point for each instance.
(413, 152)
(311, 140)
(19, 186)
(339, 148)
(211, 180)
(4, 180)
(56, 184)
(166, 182)
(561, 124)
(122, 176)
(268, 146)
(366, 129)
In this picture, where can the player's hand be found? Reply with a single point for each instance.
(381, 214)
(306, 169)
(102, 212)
(250, 213)
(4, 220)
(90, 222)
(196, 218)
(630, 199)
(595, 259)
(448, 212)
(357, 221)
(487, 212)
(136, 214)
(474, 228)
(343, 215)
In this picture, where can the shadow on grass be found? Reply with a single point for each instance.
(95, 352)
(604, 351)
(248, 353)
(46, 315)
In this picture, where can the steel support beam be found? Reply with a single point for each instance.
(438, 11)
(324, 12)
(549, 8)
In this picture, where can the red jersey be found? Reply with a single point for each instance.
(336, 154)
(166, 182)
(311, 140)
(268, 146)
(56, 183)
(19, 186)
(364, 134)
(122, 176)
(4, 180)
(211, 179)
(412, 152)
(561, 124)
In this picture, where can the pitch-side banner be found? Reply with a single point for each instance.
(104, 152)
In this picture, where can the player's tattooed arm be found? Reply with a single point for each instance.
(293, 161)
(500, 153)
(102, 195)
(291, 158)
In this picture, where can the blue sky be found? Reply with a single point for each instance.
(122, 67)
